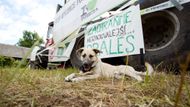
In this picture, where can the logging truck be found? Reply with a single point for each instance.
(129, 31)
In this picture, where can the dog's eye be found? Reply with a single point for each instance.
(84, 55)
(90, 56)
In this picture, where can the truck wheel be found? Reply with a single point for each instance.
(161, 35)
(166, 35)
(41, 63)
(74, 58)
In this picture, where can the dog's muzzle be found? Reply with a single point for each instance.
(87, 66)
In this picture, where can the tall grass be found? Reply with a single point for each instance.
(184, 67)
(38, 87)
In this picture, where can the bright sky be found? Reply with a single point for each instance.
(19, 15)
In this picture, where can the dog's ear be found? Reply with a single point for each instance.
(79, 51)
(97, 51)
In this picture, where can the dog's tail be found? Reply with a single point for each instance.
(149, 69)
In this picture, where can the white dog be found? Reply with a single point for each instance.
(93, 67)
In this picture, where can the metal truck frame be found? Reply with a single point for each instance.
(165, 28)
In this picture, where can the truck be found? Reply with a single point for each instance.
(165, 32)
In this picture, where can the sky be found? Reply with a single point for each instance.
(19, 15)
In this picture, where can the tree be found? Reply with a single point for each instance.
(29, 38)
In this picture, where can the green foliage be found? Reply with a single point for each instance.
(22, 65)
(6, 61)
(29, 38)
(11, 62)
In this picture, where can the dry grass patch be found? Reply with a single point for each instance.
(33, 88)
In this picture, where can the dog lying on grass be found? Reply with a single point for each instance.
(93, 67)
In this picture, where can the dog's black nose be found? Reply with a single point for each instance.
(85, 64)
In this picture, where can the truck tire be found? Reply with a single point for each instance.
(41, 62)
(74, 58)
(166, 35)
(44, 59)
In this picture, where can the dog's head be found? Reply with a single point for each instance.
(88, 56)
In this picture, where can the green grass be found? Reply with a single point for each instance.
(34, 88)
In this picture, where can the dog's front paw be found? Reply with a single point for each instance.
(70, 77)
(76, 79)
